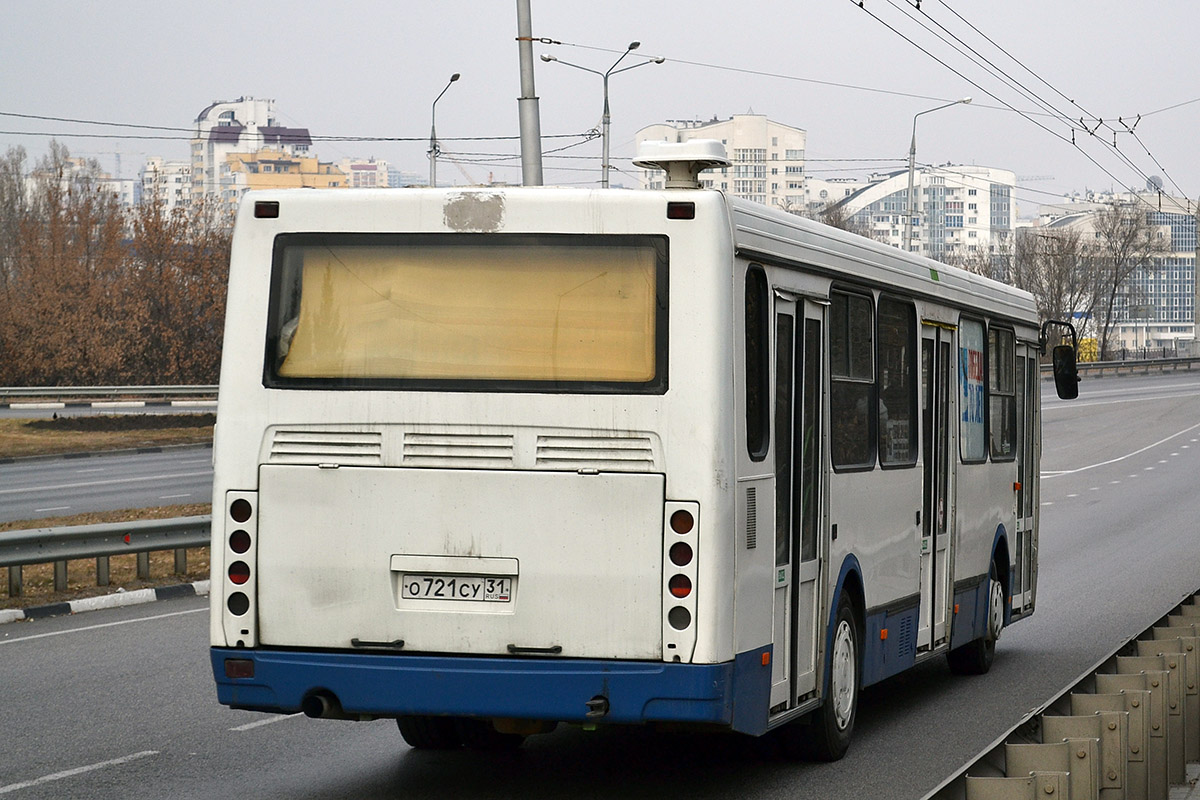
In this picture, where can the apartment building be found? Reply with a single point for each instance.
(767, 156)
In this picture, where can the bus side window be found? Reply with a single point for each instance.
(852, 380)
(895, 375)
(972, 441)
(758, 366)
(1002, 401)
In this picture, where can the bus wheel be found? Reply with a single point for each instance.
(480, 734)
(429, 733)
(975, 657)
(833, 723)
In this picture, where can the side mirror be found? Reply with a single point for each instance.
(1066, 376)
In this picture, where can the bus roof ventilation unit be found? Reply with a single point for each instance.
(682, 161)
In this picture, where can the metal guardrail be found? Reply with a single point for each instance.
(58, 392)
(1097, 369)
(1127, 728)
(62, 544)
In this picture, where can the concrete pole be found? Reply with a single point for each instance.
(527, 103)
(912, 201)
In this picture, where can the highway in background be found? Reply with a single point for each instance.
(121, 703)
(35, 488)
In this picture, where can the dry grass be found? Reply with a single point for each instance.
(85, 434)
(38, 579)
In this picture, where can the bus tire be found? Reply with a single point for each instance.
(480, 734)
(975, 657)
(832, 725)
(429, 733)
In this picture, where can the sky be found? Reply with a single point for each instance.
(1065, 120)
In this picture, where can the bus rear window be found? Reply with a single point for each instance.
(469, 312)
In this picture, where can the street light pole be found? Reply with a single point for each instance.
(912, 164)
(433, 145)
(606, 117)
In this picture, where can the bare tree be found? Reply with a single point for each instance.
(837, 216)
(1125, 242)
(1054, 266)
(91, 294)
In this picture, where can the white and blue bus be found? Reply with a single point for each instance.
(488, 460)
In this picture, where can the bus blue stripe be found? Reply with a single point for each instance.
(388, 685)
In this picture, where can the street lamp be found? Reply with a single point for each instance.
(433, 145)
(912, 163)
(607, 118)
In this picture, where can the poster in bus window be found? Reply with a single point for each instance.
(970, 366)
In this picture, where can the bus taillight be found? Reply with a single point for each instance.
(681, 554)
(680, 585)
(682, 521)
(239, 572)
(239, 541)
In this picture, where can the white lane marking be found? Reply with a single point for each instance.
(71, 773)
(173, 496)
(1072, 495)
(101, 625)
(1148, 469)
(51, 508)
(1048, 503)
(1048, 475)
(1174, 454)
(93, 469)
(259, 723)
(82, 484)
(1113, 483)
(1072, 405)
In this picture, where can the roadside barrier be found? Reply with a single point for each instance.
(1128, 729)
(63, 544)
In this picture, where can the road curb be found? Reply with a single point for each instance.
(160, 448)
(114, 600)
(68, 405)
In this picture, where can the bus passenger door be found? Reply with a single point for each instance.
(798, 482)
(1025, 541)
(937, 372)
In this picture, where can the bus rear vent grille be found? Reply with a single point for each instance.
(751, 518)
(594, 452)
(326, 447)
(904, 646)
(445, 449)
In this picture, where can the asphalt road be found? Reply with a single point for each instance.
(54, 487)
(120, 703)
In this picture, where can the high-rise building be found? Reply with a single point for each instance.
(269, 168)
(961, 212)
(168, 182)
(768, 157)
(245, 125)
(1156, 306)
(365, 173)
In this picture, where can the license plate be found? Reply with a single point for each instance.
(476, 588)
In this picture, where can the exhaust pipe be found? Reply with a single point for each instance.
(324, 704)
(321, 705)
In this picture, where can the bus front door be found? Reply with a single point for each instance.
(937, 373)
(799, 330)
(1024, 575)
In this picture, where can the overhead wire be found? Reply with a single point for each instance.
(1083, 125)
(975, 84)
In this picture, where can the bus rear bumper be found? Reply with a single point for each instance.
(545, 689)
